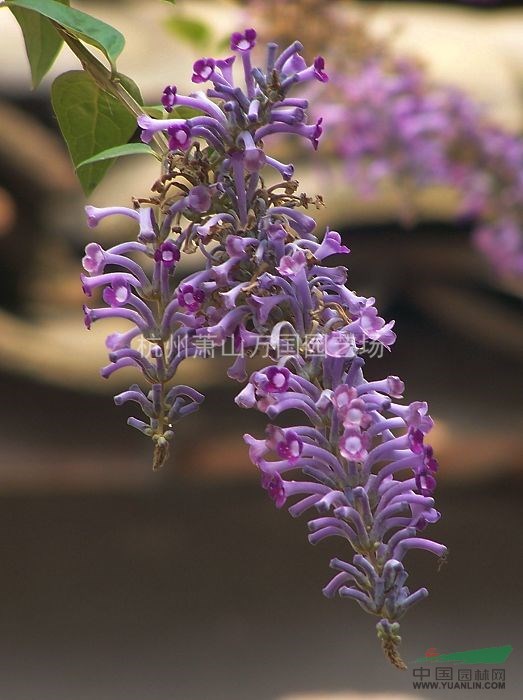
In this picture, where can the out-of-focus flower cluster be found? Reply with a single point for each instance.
(386, 120)
(361, 460)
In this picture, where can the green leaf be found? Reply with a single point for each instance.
(158, 112)
(185, 112)
(42, 41)
(89, 29)
(190, 29)
(128, 149)
(91, 121)
(131, 87)
(155, 111)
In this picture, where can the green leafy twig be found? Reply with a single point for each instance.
(110, 82)
(96, 108)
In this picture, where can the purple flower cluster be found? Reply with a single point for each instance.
(266, 274)
(357, 443)
(387, 120)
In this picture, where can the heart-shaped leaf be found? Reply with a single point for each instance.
(91, 121)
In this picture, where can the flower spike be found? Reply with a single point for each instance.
(358, 461)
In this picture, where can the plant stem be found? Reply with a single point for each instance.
(108, 81)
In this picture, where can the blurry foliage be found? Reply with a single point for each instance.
(191, 29)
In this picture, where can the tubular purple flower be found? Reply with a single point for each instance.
(199, 199)
(308, 131)
(273, 484)
(118, 293)
(167, 254)
(294, 64)
(92, 315)
(197, 100)
(276, 380)
(147, 225)
(294, 115)
(285, 443)
(151, 126)
(354, 444)
(302, 223)
(243, 42)
(225, 66)
(94, 259)
(179, 137)
(203, 70)
(286, 54)
(319, 69)
(134, 393)
(169, 98)
(316, 71)
(331, 245)
(291, 265)
(285, 170)
(254, 158)
(96, 214)
(91, 283)
(116, 341)
(254, 110)
(190, 298)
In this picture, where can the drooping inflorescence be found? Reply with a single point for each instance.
(265, 277)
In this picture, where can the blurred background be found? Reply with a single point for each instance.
(187, 584)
